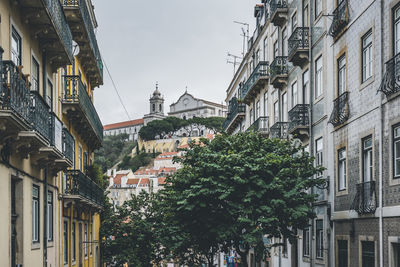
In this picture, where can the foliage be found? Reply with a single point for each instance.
(133, 228)
(236, 189)
(139, 160)
(170, 125)
(96, 174)
(114, 149)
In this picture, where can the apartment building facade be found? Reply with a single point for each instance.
(40, 142)
(325, 73)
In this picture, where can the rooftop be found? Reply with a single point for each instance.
(123, 124)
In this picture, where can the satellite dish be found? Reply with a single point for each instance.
(75, 48)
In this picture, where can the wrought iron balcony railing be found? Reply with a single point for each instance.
(75, 93)
(340, 18)
(279, 67)
(340, 112)
(365, 199)
(40, 118)
(79, 184)
(391, 79)
(275, 4)
(279, 130)
(60, 23)
(298, 117)
(261, 125)
(298, 40)
(234, 109)
(261, 70)
(81, 4)
(14, 90)
(68, 145)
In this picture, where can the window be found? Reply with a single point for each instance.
(396, 29)
(367, 56)
(265, 49)
(154, 107)
(319, 239)
(276, 51)
(294, 21)
(368, 254)
(276, 112)
(35, 74)
(306, 242)
(35, 213)
(318, 7)
(367, 159)
(306, 87)
(49, 94)
(251, 116)
(16, 47)
(342, 253)
(285, 247)
(73, 241)
(50, 216)
(284, 42)
(86, 239)
(342, 169)
(305, 16)
(85, 160)
(80, 157)
(319, 146)
(318, 77)
(284, 107)
(341, 72)
(65, 242)
(294, 94)
(257, 109)
(91, 236)
(396, 151)
(396, 254)
(265, 104)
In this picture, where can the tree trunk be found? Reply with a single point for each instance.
(243, 258)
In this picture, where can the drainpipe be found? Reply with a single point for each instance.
(310, 116)
(381, 123)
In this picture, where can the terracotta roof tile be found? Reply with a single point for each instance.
(161, 180)
(133, 181)
(123, 124)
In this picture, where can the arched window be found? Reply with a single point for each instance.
(160, 108)
(154, 107)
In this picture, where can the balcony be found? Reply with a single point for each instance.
(340, 113)
(79, 109)
(261, 125)
(279, 130)
(257, 80)
(279, 70)
(236, 114)
(340, 19)
(299, 120)
(77, 14)
(47, 22)
(298, 46)
(80, 189)
(365, 200)
(279, 12)
(391, 80)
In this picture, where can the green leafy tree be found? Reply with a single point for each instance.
(234, 190)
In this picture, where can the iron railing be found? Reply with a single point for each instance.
(298, 116)
(279, 67)
(89, 29)
(233, 109)
(260, 125)
(68, 145)
(340, 18)
(260, 70)
(365, 199)
(298, 40)
(391, 80)
(57, 16)
(14, 90)
(275, 4)
(279, 130)
(40, 118)
(78, 183)
(340, 112)
(75, 92)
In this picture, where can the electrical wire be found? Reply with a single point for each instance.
(116, 90)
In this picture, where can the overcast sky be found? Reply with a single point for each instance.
(178, 43)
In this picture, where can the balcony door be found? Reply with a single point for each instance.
(396, 31)
(80, 246)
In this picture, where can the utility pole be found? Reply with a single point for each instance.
(234, 60)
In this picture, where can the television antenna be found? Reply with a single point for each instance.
(245, 34)
(234, 60)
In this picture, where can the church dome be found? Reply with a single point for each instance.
(157, 93)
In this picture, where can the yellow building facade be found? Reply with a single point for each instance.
(49, 129)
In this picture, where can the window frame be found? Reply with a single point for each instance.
(73, 241)
(17, 54)
(305, 86)
(35, 80)
(318, 77)
(306, 242)
(50, 216)
(284, 107)
(294, 97)
(317, 8)
(367, 151)
(285, 42)
(395, 158)
(293, 21)
(395, 21)
(36, 215)
(65, 242)
(49, 94)
(339, 250)
(341, 75)
(342, 160)
(319, 154)
(85, 238)
(366, 48)
(319, 239)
